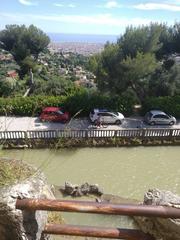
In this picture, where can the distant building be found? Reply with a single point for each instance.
(6, 57)
(12, 74)
(63, 71)
(177, 58)
(2, 57)
(85, 83)
(174, 57)
(85, 49)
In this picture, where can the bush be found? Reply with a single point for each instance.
(29, 106)
(168, 104)
(82, 102)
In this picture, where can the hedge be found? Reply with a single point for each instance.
(81, 103)
(168, 104)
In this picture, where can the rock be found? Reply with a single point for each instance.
(84, 189)
(23, 225)
(161, 228)
(94, 189)
(77, 192)
(69, 188)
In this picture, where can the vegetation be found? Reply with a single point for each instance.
(23, 42)
(55, 218)
(25, 50)
(81, 101)
(142, 61)
(169, 104)
(13, 171)
(140, 68)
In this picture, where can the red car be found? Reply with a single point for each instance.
(54, 114)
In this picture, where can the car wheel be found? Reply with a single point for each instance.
(118, 122)
(152, 123)
(171, 123)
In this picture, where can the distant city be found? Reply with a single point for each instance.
(82, 38)
(85, 44)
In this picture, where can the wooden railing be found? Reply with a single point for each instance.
(92, 133)
(98, 208)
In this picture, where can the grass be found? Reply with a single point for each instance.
(55, 217)
(13, 171)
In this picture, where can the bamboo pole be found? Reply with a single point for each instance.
(100, 208)
(101, 232)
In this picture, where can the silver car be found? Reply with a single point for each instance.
(159, 117)
(106, 116)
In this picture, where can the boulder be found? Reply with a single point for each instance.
(23, 225)
(161, 228)
(95, 189)
(84, 189)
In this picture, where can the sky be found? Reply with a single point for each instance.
(109, 17)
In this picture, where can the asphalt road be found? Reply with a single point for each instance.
(30, 123)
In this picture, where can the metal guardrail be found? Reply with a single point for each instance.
(98, 208)
(92, 133)
(98, 232)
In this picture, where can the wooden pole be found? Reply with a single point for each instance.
(100, 208)
(101, 232)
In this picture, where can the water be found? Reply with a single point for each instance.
(127, 172)
(82, 38)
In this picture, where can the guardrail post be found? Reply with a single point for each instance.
(171, 132)
(143, 132)
(86, 133)
(115, 133)
(25, 134)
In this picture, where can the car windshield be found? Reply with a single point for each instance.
(148, 115)
(60, 112)
(115, 113)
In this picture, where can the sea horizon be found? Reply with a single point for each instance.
(82, 38)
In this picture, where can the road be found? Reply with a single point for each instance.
(33, 123)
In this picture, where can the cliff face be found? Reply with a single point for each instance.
(23, 225)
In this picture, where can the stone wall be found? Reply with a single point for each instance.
(23, 225)
(89, 142)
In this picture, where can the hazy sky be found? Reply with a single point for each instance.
(88, 16)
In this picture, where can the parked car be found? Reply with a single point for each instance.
(159, 117)
(106, 116)
(54, 114)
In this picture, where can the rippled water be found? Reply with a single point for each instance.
(127, 172)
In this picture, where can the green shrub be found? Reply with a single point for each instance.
(85, 102)
(81, 102)
(29, 106)
(168, 104)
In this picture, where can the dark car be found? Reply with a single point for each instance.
(54, 114)
(159, 117)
